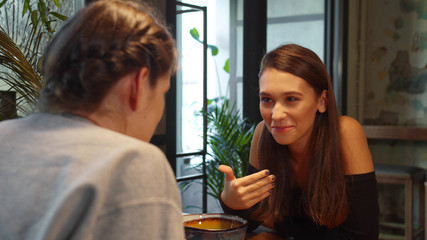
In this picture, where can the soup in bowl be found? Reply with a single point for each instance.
(214, 226)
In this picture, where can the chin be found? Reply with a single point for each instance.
(282, 140)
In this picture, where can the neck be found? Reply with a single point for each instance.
(299, 153)
(105, 120)
(300, 162)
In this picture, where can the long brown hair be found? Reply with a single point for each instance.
(103, 42)
(324, 198)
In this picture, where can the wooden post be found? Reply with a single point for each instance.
(7, 105)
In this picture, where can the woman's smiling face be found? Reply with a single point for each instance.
(288, 105)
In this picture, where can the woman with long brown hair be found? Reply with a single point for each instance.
(318, 180)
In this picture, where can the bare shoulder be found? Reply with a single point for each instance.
(356, 155)
(349, 125)
(253, 155)
(258, 130)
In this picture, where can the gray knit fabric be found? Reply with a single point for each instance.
(62, 177)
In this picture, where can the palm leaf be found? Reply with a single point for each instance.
(19, 73)
(229, 139)
(20, 49)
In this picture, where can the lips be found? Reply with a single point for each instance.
(281, 129)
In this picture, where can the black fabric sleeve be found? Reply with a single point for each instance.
(363, 218)
(244, 213)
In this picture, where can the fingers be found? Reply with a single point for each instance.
(229, 175)
(250, 179)
(262, 192)
(243, 193)
(245, 198)
(260, 183)
(254, 201)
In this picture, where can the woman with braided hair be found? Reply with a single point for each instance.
(311, 174)
(82, 167)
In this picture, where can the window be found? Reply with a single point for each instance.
(301, 22)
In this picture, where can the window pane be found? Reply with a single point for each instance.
(190, 83)
(308, 34)
(301, 22)
(188, 166)
(191, 190)
(191, 196)
(281, 8)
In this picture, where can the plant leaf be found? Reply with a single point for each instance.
(42, 6)
(34, 17)
(229, 139)
(19, 63)
(56, 2)
(195, 34)
(227, 65)
(26, 7)
(59, 16)
(23, 78)
(214, 50)
(2, 3)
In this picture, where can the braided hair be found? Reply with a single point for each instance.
(103, 42)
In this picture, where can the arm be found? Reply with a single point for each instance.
(362, 221)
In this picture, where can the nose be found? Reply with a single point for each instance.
(279, 112)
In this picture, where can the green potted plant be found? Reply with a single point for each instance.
(229, 139)
(22, 38)
(229, 136)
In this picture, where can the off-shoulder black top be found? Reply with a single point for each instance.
(361, 224)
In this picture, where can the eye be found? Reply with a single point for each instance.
(266, 99)
(291, 99)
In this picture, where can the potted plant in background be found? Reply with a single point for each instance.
(229, 140)
(229, 136)
(26, 27)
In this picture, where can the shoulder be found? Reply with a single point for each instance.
(138, 163)
(258, 130)
(350, 130)
(140, 160)
(356, 155)
(143, 154)
(350, 127)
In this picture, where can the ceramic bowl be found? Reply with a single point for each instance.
(214, 226)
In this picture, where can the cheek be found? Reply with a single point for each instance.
(306, 117)
(266, 116)
(265, 113)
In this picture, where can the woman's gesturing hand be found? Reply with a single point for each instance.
(243, 193)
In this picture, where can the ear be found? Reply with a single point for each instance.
(137, 88)
(323, 102)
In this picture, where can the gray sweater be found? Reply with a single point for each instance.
(62, 177)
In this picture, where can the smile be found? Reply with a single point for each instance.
(281, 129)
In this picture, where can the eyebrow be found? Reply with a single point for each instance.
(283, 93)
